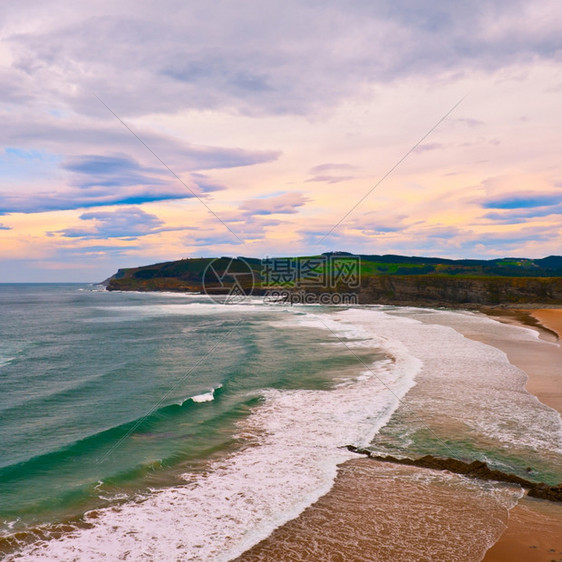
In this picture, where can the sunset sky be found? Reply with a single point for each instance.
(279, 117)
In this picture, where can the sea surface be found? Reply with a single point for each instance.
(150, 426)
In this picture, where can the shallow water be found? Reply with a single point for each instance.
(158, 426)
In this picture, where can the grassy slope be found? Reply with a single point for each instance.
(387, 278)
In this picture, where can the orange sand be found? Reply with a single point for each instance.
(534, 532)
(388, 513)
(541, 360)
(366, 517)
(550, 318)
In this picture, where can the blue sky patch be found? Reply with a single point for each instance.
(523, 201)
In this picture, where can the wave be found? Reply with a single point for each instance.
(96, 444)
(5, 360)
(204, 397)
(64, 390)
(470, 402)
(10, 352)
(297, 439)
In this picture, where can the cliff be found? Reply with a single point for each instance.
(458, 291)
(388, 279)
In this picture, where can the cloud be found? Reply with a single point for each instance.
(512, 240)
(91, 179)
(100, 180)
(213, 241)
(78, 135)
(261, 57)
(330, 167)
(110, 171)
(521, 216)
(94, 197)
(429, 146)
(329, 179)
(124, 223)
(205, 184)
(468, 121)
(4, 227)
(216, 88)
(376, 224)
(101, 250)
(523, 201)
(287, 203)
(247, 226)
(436, 240)
(519, 206)
(510, 201)
(320, 175)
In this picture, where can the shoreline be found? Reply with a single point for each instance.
(549, 319)
(530, 529)
(383, 512)
(534, 526)
(544, 367)
(529, 317)
(408, 518)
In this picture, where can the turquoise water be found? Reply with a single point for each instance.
(97, 389)
(162, 426)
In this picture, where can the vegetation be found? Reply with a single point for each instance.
(390, 279)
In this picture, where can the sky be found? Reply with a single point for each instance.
(140, 132)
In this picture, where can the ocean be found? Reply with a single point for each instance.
(166, 426)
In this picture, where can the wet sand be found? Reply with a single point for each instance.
(383, 512)
(534, 534)
(541, 361)
(534, 531)
(550, 318)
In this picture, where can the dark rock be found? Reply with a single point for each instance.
(475, 469)
(546, 492)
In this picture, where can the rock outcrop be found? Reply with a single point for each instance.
(475, 469)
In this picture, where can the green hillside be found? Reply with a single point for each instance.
(390, 279)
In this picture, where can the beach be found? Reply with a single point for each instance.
(533, 531)
(257, 465)
(377, 511)
(550, 318)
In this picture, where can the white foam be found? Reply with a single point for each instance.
(204, 397)
(471, 382)
(196, 308)
(296, 437)
(5, 360)
(296, 441)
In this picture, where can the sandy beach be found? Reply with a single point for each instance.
(550, 318)
(433, 382)
(380, 511)
(533, 532)
(422, 515)
(541, 362)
